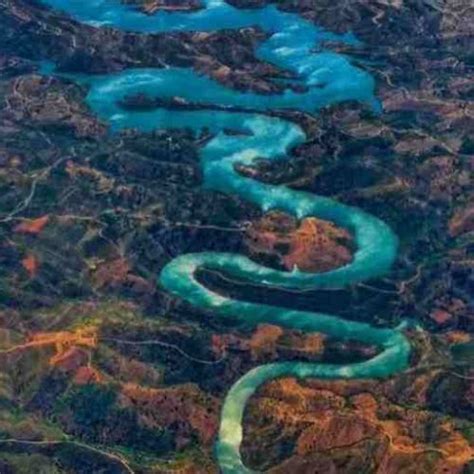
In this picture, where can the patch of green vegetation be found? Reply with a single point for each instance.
(27, 373)
(111, 311)
(15, 423)
(468, 433)
(192, 456)
(6, 388)
(90, 412)
(29, 464)
(467, 147)
(463, 353)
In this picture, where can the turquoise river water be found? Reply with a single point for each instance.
(296, 45)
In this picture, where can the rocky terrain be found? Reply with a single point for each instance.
(102, 371)
(312, 245)
(152, 6)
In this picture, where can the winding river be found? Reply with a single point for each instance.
(296, 45)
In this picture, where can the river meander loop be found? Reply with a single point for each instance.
(296, 45)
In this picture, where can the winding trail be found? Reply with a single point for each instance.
(330, 78)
